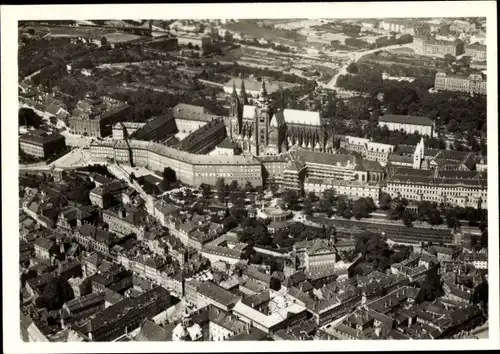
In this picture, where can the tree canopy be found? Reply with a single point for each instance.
(55, 294)
(28, 118)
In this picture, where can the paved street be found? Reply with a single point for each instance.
(354, 57)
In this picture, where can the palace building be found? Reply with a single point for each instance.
(41, 143)
(450, 191)
(473, 84)
(476, 51)
(371, 150)
(432, 46)
(190, 168)
(95, 116)
(410, 124)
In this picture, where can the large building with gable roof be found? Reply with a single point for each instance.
(262, 129)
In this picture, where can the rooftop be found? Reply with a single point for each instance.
(44, 243)
(440, 181)
(193, 140)
(271, 320)
(253, 272)
(98, 234)
(477, 46)
(227, 144)
(254, 334)
(401, 119)
(184, 156)
(41, 137)
(218, 294)
(151, 332)
(430, 40)
(152, 125)
(299, 117)
(93, 299)
(189, 112)
(324, 158)
(120, 309)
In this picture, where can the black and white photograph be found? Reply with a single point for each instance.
(228, 178)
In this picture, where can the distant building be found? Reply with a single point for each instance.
(462, 26)
(190, 168)
(121, 130)
(410, 124)
(96, 116)
(41, 143)
(225, 248)
(156, 129)
(371, 150)
(126, 315)
(478, 38)
(202, 43)
(44, 248)
(80, 309)
(337, 166)
(431, 46)
(226, 147)
(209, 293)
(476, 51)
(478, 260)
(280, 314)
(398, 26)
(473, 84)
(369, 24)
(94, 238)
(204, 139)
(105, 195)
(189, 118)
(450, 191)
(250, 86)
(351, 189)
(317, 254)
(125, 220)
(482, 164)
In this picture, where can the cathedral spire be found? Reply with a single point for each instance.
(243, 93)
(263, 91)
(282, 97)
(235, 93)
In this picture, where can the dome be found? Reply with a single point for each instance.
(183, 334)
(186, 331)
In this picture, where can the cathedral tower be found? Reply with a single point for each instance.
(262, 121)
(236, 112)
(418, 155)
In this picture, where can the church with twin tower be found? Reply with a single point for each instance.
(260, 128)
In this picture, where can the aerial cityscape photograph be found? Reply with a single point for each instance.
(253, 179)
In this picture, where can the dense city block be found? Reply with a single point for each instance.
(253, 180)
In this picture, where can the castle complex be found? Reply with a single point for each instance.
(289, 148)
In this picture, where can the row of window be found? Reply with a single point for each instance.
(434, 188)
(32, 150)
